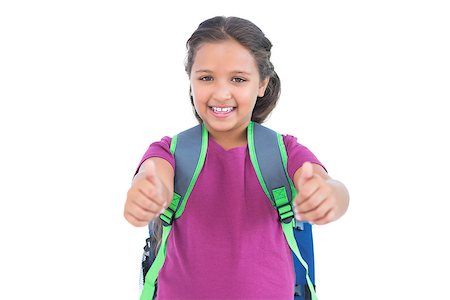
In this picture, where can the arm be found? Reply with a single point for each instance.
(320, 199)
(150, 193)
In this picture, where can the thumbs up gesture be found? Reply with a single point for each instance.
(320, 199)
(148, 196)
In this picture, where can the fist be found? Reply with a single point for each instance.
(146, 197)
(316, 201)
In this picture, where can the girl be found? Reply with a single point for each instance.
(229, 244)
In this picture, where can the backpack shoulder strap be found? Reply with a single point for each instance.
(269, 159)
(189, 149)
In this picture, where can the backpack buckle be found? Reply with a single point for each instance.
(287, 216)
(168, 215)
(283, 206)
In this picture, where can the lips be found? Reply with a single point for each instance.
(222, 110)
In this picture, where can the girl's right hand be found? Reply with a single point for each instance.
(147, 197)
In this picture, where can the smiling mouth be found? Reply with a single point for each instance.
(222, 110)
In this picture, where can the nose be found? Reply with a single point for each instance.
(222, 91)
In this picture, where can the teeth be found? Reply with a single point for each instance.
(222, 109)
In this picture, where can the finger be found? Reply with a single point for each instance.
(140, 197)
(330, 216)
(301, 202)
(308, 189)
(140, 214)
(318, 212)
(153, 193)
(315, 196)
(148, 204)
(134, 221)
(307, 172)
(145, 192)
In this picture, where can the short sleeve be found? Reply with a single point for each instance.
(159, 149)
(297, 155)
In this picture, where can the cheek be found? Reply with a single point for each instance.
(249, 97)
(200, 98)
(198, 90)
(196, 93)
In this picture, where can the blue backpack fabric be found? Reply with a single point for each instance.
(269, 158)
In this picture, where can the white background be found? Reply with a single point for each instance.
(85, 86)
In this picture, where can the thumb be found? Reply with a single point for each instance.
(152, 176)
(150, 171)
(306, 174)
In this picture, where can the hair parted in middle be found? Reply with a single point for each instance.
(251, 37)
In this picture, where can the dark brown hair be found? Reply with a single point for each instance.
(251, 37)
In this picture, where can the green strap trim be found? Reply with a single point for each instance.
(168, 215)
(284, 158)
(289, 234)
(198, 168)
(150, 279)
(173, 144)
(252, 151)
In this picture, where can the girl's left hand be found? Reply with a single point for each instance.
(320, 199)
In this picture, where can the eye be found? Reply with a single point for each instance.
(238, 79)
(206, 78)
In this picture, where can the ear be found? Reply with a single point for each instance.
(262, 86)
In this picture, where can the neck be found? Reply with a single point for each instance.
(230, 139)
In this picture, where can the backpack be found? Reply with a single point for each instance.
(269, 159)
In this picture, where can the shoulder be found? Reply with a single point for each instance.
(297, 154)
(163, 143)
(293, 145)
(161, 146)
(159, 149)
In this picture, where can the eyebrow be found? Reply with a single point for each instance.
(233, 72)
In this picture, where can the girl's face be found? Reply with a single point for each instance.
(225, 83)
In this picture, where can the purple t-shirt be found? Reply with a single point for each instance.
(228, 243)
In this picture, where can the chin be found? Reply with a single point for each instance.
(220, 125)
